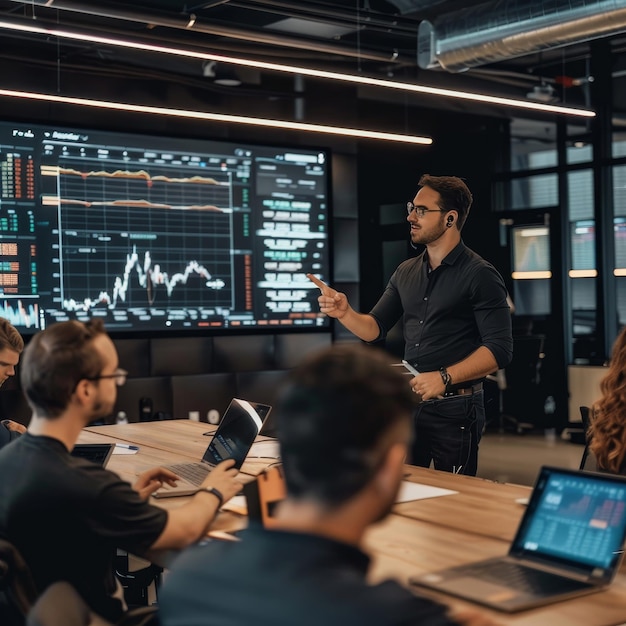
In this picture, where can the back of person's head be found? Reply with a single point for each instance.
(55, 360)
(455, 194)
(336, 418)
(608, 427)
(10, 338)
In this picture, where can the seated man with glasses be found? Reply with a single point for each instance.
(68, 516)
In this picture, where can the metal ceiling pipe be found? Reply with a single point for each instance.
(507, 29)
(356, 18)
(191, 23)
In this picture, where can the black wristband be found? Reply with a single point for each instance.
(216, 492)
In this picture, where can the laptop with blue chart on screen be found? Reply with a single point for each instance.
(237, 430)
(570, 542)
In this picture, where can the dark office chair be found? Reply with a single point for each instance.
(585, 416)
(62, 605)
(523, 394)
(17, 588)
(137, 582)
(19, 595)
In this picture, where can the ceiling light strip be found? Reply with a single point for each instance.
(218, 117)
(291, 69)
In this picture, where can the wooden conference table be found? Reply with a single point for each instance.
(479, 521)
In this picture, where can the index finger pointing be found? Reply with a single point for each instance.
(323, 287)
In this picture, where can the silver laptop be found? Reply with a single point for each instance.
(570, 542)
(233, 439)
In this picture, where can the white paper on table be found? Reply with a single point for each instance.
(237, 504)
(414, 491)
(264, 450)
(124, 449)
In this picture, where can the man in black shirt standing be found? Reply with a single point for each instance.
(457, 325)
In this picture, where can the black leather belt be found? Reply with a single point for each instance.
(464, 391)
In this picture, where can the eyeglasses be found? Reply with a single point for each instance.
(420, 210)
(119, 375)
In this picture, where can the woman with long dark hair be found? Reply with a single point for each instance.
(607, 431)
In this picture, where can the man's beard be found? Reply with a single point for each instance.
(101, 409)
(426, 237)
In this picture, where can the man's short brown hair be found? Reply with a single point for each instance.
(10, 337)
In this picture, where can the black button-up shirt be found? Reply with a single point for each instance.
(448, 312)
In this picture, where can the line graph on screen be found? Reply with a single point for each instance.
(143, 237)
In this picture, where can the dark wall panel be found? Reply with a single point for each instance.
(243, 353)
(134, 356)
(202, 393)
(158, 389)
(345, 250)
(290, 349)
(259, 386)
(182, 355)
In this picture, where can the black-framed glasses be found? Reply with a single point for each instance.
(420, 210)
(119, 375)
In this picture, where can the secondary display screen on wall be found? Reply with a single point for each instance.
(153, 233)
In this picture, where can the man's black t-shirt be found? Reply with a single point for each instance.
(67, 516)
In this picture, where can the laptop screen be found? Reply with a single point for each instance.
(235, 435)
(575, 519)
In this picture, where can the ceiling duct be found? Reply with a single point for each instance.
(497, 31)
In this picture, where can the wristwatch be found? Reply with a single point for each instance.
(445, 377)
(213, 491)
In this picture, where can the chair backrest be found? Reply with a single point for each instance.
(585, 417)
(17, 587)
(61, 605)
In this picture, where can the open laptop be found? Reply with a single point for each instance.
(233, 439)
(98, 453)
(570, 542)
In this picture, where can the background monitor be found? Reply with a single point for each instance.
(159, 233)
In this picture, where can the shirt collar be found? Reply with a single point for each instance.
(451, 257)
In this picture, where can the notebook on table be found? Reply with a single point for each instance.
(570, 542)
(233, 439)
(99, 453)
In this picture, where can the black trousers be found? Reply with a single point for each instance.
(447, 432)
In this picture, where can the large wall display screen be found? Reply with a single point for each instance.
(155, 234)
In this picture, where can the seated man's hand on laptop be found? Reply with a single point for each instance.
(153, 479)
(223, 478)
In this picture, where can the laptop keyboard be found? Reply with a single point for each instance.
(525, 579)
(191, 472)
